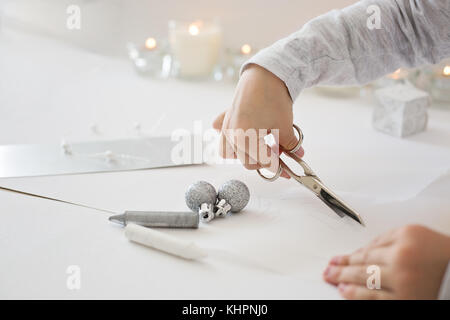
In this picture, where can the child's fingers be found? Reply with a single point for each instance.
(226, 151)
(285, 175)
(217, 124)
(300, 152)
(251, 149)
(287, 138)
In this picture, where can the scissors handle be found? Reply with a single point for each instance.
(306, 168)
(291, 153)
(275, 177)
(299, 142)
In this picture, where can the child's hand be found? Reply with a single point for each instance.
(412, 262)
(261, 101)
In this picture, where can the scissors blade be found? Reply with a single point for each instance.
(338, 206)
(328, 197)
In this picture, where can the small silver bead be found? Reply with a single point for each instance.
(235, 193)
(199, 193)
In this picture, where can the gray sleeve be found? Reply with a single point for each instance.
(339, 48)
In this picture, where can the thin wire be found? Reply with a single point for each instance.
(54, 199)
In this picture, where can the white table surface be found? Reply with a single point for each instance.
(276, 249)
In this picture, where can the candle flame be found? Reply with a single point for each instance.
(194, 29)
(446, 71)
(396, 74)
(246, 49)
(150, 43)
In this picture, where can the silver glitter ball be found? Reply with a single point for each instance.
(199, 193)
(235, 193)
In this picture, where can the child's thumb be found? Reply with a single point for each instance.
(288, 140)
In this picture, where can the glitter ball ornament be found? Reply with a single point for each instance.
(235, 193)
(199, 193)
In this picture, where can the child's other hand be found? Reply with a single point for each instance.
(412, 262)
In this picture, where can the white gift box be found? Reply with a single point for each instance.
(401, 110)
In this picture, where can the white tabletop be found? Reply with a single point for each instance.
(276, 249)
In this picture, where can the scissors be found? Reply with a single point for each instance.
(311, 181)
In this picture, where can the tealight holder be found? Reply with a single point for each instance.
(236, 58)
(151, 58)
(399, 76)
(440, 81)
(421, 78)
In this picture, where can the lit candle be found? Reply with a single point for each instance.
(195, 47)
(446, 71)
(440, 89)
(237, 58)
(194, 28)
(150, 43)
(246, 49)
(398, 74)
(148, 57)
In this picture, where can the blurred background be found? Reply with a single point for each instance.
(108, 24)
(100, 69)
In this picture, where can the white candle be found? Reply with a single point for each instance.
(195, 47)
(164, 242)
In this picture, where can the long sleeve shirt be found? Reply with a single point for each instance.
(360, 43)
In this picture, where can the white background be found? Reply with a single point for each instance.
(109, 24)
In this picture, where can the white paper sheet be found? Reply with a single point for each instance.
(275, 249)
(89, 157)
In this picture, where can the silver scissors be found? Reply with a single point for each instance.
(311, 181)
